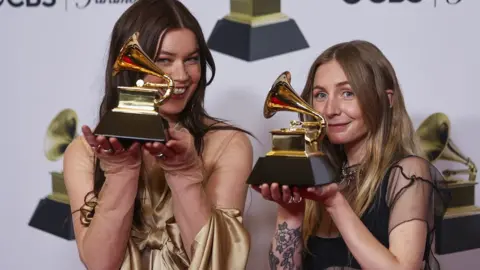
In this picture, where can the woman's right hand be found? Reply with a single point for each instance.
(287, 198)
(113, 157)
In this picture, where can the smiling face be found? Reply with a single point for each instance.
(179, 58)
(334, 98)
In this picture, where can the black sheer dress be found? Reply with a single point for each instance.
(410, 190)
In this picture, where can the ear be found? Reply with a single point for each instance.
(390, 96)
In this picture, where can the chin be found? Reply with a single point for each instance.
(171, 109)
(338, 138)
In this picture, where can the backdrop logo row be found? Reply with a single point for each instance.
(79, 4)
(435, 2)
(82, 4)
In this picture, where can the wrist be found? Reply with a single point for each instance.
(293, 215)
(335, 203)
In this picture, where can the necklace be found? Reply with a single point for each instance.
(348, 174)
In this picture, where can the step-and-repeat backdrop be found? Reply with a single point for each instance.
(53, 54)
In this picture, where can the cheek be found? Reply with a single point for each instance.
(353, 111)
(194, 71)
(318, 106)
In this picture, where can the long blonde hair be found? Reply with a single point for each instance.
(390, 130)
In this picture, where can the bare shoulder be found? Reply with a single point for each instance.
(223, 139)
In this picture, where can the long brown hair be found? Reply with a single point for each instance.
(390, 130)
(151, 18)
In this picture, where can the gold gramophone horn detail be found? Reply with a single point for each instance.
(136, 117)
(282, 97)
(295, 158)
(434, 135)
(60, 133)
(133, 58)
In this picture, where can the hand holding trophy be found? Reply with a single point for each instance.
(136, 117)
(295, 159)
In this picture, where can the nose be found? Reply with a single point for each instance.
(179, 73)
(332, 108)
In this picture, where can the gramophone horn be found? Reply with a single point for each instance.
(133, 58)
(60, 133)
(282, 97)
(434, 135)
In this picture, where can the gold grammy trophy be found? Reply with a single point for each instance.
(53, 213)
(136, 116)
(458, 230)
(256, 29)
(295, 158)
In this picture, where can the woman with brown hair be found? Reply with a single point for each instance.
(380, 214)
(156, 206)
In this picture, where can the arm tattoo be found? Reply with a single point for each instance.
(273, 260)
(288, 241)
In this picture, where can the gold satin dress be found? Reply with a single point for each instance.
(222, 244)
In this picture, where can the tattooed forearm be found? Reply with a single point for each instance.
(273, 260)
(286, 249)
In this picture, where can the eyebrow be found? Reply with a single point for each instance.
(337, 85)
(173, 54)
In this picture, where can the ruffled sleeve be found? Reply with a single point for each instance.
(416, 191)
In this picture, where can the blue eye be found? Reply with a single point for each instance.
(162, 60)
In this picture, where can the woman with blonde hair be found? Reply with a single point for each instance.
(380, 213)
(157, 206)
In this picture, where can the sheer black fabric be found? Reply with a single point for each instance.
(410, 190)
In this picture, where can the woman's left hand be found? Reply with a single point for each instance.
(328, 194)
(178, 154)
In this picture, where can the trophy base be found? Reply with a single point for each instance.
(293, 171)
(462, 193)
(458, 231)
(53, 217)
(250, 43)
(130, 127)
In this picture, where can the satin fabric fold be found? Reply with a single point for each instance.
(223, 243)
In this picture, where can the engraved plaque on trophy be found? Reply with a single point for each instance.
(256, 29)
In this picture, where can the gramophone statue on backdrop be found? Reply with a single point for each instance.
(136, 116)
(458, 231)
(53, 213)
(295, 158)
(256, 29)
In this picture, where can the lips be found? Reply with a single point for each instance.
(338, 125)
(341, 127)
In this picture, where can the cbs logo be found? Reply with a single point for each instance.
(28, 3)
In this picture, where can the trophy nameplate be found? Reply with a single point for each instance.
(53, 213)
(136, 117)
(458, 231)
(295, 158)
(256, 29)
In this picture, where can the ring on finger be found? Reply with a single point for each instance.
(160, 155)
(292, 199)
(108, 151)
(299, 199)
